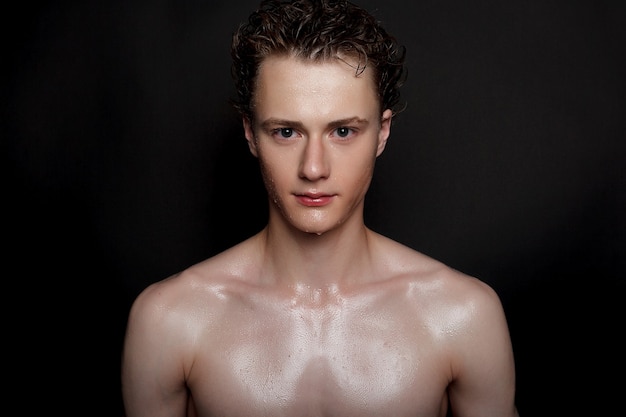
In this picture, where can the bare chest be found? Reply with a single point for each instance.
(320, 362)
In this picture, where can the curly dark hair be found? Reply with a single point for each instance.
(316, 30)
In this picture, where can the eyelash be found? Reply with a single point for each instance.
(281, 132)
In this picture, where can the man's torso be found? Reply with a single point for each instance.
(370, 352)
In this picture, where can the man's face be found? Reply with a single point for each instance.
(317, 132)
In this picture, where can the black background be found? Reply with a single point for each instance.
(125, 163)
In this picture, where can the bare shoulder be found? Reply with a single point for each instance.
(194, 292)
(435, 285)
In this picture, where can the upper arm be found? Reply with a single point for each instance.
(153, 371)
(484, 370)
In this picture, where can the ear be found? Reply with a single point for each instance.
(247, 128)
(385, 130)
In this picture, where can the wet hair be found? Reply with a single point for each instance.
(316, 30)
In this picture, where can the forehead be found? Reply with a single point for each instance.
(288, 83)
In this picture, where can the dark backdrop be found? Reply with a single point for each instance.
(125, 163)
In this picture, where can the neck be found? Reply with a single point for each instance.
(337, 258)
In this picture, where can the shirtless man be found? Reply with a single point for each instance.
(317, 315)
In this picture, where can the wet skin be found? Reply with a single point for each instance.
(317, 315)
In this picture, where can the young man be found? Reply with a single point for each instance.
(317, 315)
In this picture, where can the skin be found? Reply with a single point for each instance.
(317, 315)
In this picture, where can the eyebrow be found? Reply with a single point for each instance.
(269, 123)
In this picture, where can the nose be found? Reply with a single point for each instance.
(314, 164)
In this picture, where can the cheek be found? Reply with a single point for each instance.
(272, 172)
(358, 173)
(267, 175)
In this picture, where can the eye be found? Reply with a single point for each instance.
(284, 132)
(344, 132)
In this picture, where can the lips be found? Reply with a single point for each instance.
(314, 199)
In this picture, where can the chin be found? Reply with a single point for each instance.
(315, 223)
(318, 231)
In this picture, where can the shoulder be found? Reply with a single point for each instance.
(197, 291)
(162, 306)
(435, 287)
(463, 312)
